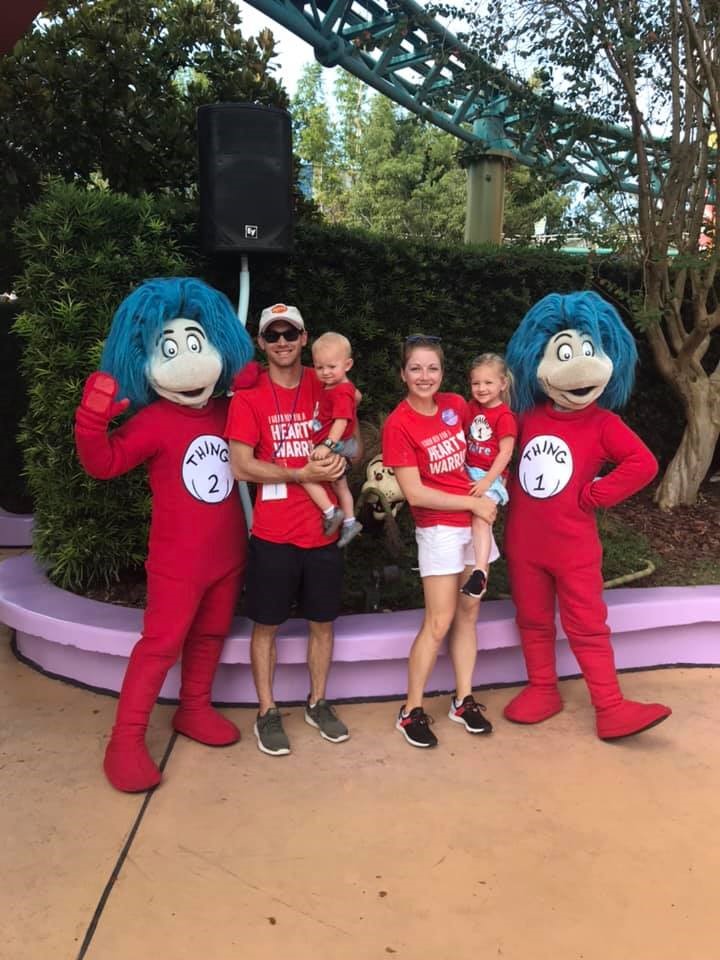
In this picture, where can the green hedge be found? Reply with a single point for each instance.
(83, 252)
(376, 292)
(14, 495)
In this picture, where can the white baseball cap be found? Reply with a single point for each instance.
(280, 311)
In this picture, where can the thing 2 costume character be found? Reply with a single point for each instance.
(573, 362)
(173, 344)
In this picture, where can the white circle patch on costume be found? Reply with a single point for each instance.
(206, 469)
(545, 466)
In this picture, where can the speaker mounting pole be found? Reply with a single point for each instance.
(243, 301)
(244, 292)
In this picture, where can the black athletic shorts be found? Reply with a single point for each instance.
(280, 574)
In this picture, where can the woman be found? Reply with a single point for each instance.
(423, 440)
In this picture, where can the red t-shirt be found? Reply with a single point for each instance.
(277, 423)
(485, 427)
(197, 530)
(336, 403)
(436, 446)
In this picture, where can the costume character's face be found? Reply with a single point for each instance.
(184, 366)
(573, 371)
(382, 478)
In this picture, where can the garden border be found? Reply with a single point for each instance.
(15, 529)
(88, 642)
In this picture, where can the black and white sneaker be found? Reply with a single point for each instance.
(470, 712)
(475, 586)
(415, 727)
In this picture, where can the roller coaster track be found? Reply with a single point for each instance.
(397, 48)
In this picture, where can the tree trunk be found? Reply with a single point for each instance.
(689, 467)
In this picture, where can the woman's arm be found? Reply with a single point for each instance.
(419, 495)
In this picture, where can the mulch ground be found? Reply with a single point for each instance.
(682, 537)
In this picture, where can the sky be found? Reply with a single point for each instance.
(293, 53)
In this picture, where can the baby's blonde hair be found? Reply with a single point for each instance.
(331, 339)
(495, 360)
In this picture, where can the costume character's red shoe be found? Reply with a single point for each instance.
(196, 717)
(627, 718)
(128, 765)
(206, 725)
(533, 705)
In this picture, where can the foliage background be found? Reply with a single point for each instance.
(85, 249)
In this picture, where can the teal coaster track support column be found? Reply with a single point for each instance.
(485, 203)
(485, 200)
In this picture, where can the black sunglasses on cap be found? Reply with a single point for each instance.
(290, 335)
(422, 338)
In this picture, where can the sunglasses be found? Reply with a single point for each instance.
(422, 338)
(290, 335)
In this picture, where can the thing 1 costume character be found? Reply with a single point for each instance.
(572, 361)
(172, 345)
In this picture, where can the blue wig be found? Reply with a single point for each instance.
(141, 317)
(588, 313)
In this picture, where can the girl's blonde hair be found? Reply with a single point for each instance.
(495, 360)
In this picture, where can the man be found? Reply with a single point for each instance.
(270, 429)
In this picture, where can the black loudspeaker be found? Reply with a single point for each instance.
(245, 178)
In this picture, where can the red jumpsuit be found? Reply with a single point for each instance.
(196, 559)
(554, 550)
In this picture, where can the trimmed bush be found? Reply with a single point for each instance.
(14, 495)
(377, 292)
(83, 250)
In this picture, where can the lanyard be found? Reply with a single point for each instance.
(282, 423)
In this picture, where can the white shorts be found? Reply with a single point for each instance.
(445, 550)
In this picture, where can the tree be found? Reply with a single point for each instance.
(528, 199)
(351, 100)
(654, 67)
(409, 183)
(110, 88)
(314, 140)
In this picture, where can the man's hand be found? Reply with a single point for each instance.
(99, 396)
(326, 470)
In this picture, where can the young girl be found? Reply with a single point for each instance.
(491, 429)
(424, 441)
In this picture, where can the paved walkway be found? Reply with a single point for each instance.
(532, 844)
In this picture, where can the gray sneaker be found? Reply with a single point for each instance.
(323, 717)
(271, 738)
(349, 532)
(333, 523)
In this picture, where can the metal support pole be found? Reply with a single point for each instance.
(243, 301)
(485, 200)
